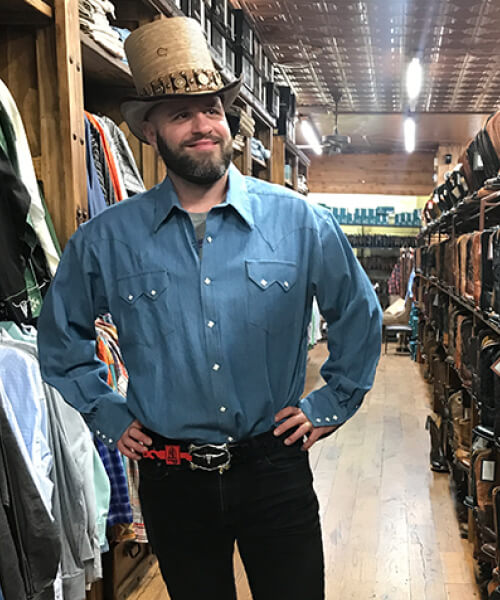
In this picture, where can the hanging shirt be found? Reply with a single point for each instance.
(22, 388)
(127, 167)
(24, 274)
(95, 195)
(214, 347)
(27, 173)
(81, 487)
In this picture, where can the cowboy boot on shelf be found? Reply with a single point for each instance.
(437, 455)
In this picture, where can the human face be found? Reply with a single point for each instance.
(193, 138)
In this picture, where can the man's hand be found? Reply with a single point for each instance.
(294, 417)
(133, 441)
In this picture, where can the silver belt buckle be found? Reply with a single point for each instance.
(210, 457)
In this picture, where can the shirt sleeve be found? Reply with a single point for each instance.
(352, 311)
(67, 343)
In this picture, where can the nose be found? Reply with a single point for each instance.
(201, 123)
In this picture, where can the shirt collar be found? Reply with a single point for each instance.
(237, 197)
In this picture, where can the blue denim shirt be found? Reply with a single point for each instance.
(214, 347)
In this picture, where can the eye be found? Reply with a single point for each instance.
(180, 116)
(213, 111)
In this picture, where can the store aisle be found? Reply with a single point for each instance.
(389, 526)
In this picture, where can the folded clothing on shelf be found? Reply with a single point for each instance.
(259, 150)
(94, 21)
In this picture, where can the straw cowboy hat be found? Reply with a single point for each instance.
(170, 58)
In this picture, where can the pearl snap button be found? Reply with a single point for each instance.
(208, 281)
(153, 292)
(223, 409)
(216, 367)
(286, 284)
(130, 297)
(263, 282)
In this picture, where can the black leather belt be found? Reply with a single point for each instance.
(212, 457)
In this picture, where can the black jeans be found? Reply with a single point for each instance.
(268, 505)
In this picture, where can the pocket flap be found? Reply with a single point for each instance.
(266, 272)
(151, 285)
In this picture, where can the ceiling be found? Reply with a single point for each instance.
(362, 49)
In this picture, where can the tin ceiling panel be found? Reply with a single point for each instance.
(362, 49)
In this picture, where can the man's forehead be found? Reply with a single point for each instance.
(187, 102)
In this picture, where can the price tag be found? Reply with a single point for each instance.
(488, 470)
(496, 367)
(490, 246)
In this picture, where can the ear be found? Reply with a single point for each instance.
(149, 131)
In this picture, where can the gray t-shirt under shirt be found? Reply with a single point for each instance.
(200, 225)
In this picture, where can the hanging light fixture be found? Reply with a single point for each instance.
(410, 134)
(414, 76)
(311, 137)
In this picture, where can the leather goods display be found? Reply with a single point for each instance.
(487, 280)
(476, 259)
(495, 243)
(466, 168)
(458, 299)
(456, 184)
(475, 161)
(489, 157)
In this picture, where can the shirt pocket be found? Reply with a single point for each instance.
(143, 306)
(273, 296)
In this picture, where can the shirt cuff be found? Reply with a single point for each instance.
(324, 409)
(109, 421)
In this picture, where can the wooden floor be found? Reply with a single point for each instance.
(389, 526)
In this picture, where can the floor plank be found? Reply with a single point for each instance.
(389, 526)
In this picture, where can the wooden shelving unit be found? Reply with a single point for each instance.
(26, 12)
(100, 65)
(286, 152)
(164, 7)
(259, 163)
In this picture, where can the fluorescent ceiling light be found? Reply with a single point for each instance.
(410, 131)
(311, 137)
(414, 79)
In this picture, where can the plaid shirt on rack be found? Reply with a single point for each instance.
(120, 510)
(394, 283)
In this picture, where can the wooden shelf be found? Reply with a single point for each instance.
(26, 12)
(100, 65)
(259, 162)
(258, 109)
(165, 7)
(291, 147)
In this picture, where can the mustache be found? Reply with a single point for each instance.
(199, 138)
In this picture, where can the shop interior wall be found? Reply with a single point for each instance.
(394, 174)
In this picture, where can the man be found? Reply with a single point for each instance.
(210, 278)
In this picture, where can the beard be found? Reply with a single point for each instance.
(201, 171)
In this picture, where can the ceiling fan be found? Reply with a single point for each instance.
(335, 143)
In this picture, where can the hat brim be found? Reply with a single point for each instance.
(135, 108)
